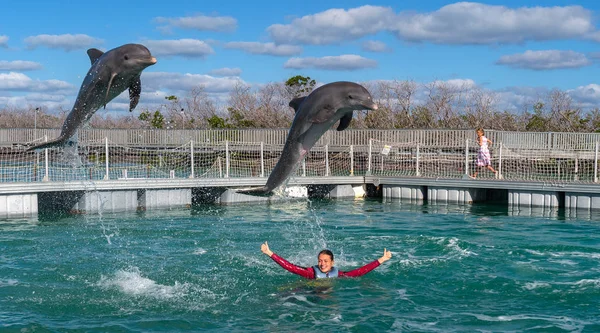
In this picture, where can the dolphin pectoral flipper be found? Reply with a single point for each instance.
(108, 88)
(295, 103)
(135, 89)
(94, 54)
(345, 122)
(323, 114)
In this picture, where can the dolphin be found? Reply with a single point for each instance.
(111, 73)
(315, 114)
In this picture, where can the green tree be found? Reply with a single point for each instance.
(537, 122)
(156, 119)
(300, 85)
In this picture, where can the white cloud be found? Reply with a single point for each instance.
(476, 23)
(456, 83)
(346, 62)
(47, 101)
(4, 41)
(67, 42)
(375, 46)
(518, 99)
(184, 83)
(333, 26)
(265, 48)
(20, 82)
(19, 65)
(545, 60)
(588, 96)
(457, 23)
(192, 48)
(226, 71)
(199, 22)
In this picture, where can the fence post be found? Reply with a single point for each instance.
(418, 170)
(596, 163)
(500, 163)
(351, 160)
(106, 176)
(467, 157)
(227, 159)
(46, 177)
(326, 160)
(369, 161)
(304, 167)
(220, 161)
(192, 158)
(262, 159)
(576, 175)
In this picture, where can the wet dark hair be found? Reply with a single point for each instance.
(327, 252)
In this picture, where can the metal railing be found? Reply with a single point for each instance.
(444, 137)
(426, 154)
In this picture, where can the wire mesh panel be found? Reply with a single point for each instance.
(126, 162)
(393, 159)
(543, 165)
(17, 165)
(244, 159)
(340, 161)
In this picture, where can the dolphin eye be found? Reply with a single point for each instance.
(126, 57)
(349, 96)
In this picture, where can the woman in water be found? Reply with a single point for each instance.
(325, 267)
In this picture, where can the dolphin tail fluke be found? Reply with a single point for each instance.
(257, 191)
(54, 143)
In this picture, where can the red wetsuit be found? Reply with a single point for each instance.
(309, 272)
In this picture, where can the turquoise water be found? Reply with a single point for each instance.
(454, 269)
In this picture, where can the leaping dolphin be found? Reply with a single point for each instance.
(111, 73)
(315, 114)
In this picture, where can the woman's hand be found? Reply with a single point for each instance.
(265, 249)
(387, 255)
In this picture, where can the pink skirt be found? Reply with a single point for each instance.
(483, 158)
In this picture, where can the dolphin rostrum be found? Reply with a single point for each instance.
(315, 114)
(111, 73)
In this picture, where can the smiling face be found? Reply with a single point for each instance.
(325, 262)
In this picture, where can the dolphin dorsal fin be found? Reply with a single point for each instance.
(295, 103)
(94, 54)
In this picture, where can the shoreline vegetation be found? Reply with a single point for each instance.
(439, 105)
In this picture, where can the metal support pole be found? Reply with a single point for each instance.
(596, 163)
(467, 157)
(351, 160)
(106, 176)
(304, 167)
(326, 160)
(220, 166)
(418, 170)
(576, 176)
(227, 159)
(370, 152)
(500, 163)
(46, 177)
(192, 158)
(262, 159)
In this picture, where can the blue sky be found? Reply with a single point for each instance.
(518, 50)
